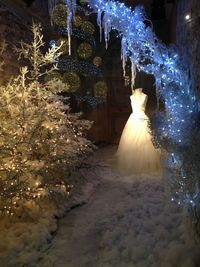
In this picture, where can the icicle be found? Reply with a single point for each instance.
(106, 26)
(69, 29)
(69, 42)
(71, 6)
(133, 72)
(123, 55)
(99, 23)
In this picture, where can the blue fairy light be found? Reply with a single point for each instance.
(80, 66)
(52, 43)
(79, 34)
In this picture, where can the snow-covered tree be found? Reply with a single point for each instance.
(40, 141)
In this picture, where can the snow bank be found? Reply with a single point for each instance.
(22, 240)
(129, 222)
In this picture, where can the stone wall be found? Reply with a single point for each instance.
(188, 34)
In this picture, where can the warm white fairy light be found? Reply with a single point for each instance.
(39, 138)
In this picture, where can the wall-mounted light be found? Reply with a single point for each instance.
(187, 17)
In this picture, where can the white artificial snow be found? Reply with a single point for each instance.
(23, 239)
(128, 222)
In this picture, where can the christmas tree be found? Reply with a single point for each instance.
(40, 141)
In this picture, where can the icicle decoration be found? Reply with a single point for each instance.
(133, 73)
(99, 23)
(69, 26)
(107, 25)
(123, 55)
(71, 6)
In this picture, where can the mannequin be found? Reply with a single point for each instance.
(136, 153)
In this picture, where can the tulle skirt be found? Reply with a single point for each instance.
(136, 153)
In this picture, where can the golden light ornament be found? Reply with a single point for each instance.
(100, 89)
(97, 61)
(88, 27)
(84, 50)
(65, 46)
(77, 21)
(73, 80)
(59, 15)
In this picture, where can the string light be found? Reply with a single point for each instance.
(39, 138)
(91, 100)
(80, 66)
(79, 34)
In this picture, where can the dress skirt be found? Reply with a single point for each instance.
(136, 153)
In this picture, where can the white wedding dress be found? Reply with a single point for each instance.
(136, 153)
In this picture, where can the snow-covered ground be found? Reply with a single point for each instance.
(128, 222)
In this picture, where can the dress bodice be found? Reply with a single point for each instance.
(138, 102)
